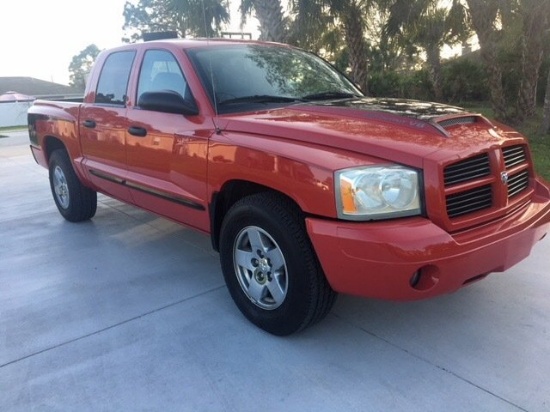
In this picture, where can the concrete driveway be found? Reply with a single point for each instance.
(130, 312)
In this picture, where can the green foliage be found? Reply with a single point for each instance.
(543, 77)
(392, 36)
(274, 26)
(202, 18)
(147, 16)
(539, 143)
(80, 66)
(464, 80)
(385, 84)
(415, 84)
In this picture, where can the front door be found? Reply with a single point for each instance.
(166, 152)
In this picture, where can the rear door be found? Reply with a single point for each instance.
(103, 126)
(167, 152)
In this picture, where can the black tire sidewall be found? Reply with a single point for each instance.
(82, 201)
(302, 274)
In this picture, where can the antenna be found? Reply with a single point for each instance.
(214, 98)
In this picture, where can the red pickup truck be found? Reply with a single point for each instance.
(306, 187)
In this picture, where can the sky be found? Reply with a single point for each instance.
(38, 38)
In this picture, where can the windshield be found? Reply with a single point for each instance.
(245, 77)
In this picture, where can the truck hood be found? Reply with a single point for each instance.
(403, 131)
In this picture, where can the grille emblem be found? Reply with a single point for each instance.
(504, 177)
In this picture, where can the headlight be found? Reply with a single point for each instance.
(377, 192)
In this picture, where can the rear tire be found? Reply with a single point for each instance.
(74, 201)
(270, 267)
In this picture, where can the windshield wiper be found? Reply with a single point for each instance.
(263, 98)
(329, 95)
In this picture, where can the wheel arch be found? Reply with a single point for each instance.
(231, 192)
(52, 143)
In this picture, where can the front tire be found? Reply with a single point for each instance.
(74, 201)
(270, 267)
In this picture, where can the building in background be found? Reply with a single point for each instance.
(18, 93)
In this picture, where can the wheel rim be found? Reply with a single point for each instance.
(60, 187)
(260, 268)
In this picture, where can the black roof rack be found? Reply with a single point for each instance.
(160, 35)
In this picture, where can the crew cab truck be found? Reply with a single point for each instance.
(306, 187)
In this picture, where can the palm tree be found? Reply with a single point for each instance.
(273, 24)
(425, 24)
(523, 23)
(484, 14)
(545, 126)
(321, 19)
(202, 18)
(312, 27)
(148, 16)
(351, 13)
(535, 21)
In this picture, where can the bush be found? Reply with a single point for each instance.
(464, 80)
(417, 85)
(385, 84)
(406, 85)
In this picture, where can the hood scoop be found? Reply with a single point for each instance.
(456, 121)
(440, 116)
(447, 122)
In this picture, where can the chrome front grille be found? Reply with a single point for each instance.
(469, 201)
(513, 156)
(518, 183)
(475, 184)
(469, 169)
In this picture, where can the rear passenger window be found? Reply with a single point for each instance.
(160, 71)
(113, 80)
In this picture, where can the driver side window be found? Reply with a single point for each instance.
(160, 71)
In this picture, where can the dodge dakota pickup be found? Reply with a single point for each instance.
(306, 187)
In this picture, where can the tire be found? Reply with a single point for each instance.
(270, 267)
(74, 201)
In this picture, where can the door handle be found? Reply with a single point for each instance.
(137, 131)
(89, 123)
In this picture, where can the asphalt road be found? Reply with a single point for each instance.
(129, 312)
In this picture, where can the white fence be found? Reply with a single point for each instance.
(13, 113)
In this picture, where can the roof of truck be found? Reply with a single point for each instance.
(200, 42)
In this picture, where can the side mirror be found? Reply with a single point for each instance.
(167, 101)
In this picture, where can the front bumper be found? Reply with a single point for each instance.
(411, 259)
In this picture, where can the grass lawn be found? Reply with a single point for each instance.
(4, 130)
(540, 144)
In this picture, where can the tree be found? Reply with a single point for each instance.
(80, 66)
(427, 25)
(351, 13)
(348, 17)
(545, 126)
(201, 18)
(535, 21)
(388, 52)
(273, 24)
(313, 28)
(484, 14)
(513, 28)
(148, 16)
